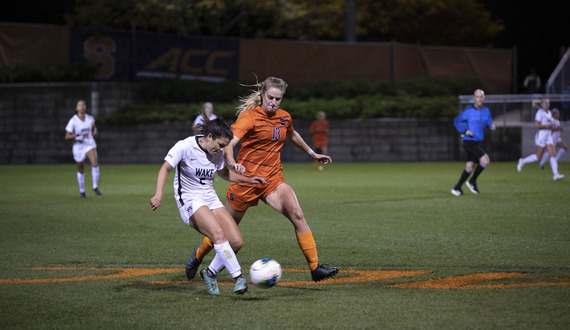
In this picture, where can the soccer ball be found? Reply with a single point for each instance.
(265, 273)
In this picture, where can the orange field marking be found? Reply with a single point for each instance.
(470, 282)
(360, 276)
(116, 273)
(473, 281)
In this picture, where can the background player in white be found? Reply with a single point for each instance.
(196, 159)
(207, 112)
(556, 138)
(81, 128)
(543, 139)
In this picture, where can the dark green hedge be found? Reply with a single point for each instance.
(182, 100)
(47, 73)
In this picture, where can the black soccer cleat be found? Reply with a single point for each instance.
(322, 273)
(192, 265)
(82, 195)
(97, 192)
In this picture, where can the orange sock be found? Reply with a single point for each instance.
(205, 248)
(309, 248)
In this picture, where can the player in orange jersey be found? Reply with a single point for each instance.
(320, 129)
(262, 129)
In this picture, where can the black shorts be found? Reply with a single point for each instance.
(474, 150)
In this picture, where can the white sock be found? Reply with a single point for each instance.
(81, 181)
(228, 257)
(95, 176)
(217, 264)
(554, 165)
(560, 153)
(544, 159)
(530, 159)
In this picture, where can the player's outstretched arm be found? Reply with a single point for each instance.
(235, 177)
(156, 200)
(229, 156)
(298, 141)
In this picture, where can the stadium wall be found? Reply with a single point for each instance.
(130, 55)
(34, 118)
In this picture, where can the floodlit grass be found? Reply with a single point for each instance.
(366, 217)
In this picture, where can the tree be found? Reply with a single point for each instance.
(436, 22)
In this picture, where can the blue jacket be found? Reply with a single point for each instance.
(474, 120)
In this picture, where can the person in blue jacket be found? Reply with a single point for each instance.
(471, 123)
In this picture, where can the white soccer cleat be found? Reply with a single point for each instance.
(557, 176)
(457, 192)
(520, 165)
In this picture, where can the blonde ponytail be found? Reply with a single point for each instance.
(255, 98)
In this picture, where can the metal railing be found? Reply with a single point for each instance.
(559, 81)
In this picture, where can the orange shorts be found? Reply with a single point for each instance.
(242, 196)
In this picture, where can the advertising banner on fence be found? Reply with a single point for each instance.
(126, 56)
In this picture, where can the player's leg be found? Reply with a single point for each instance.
(543, 160)
(562, 149)
(235, 239)
(207, 245)
(531, 158)
(207, 223)
(457, 191)
(553, 162)
(81, 178)
(284, 201)
(93, 159)
(483, 163)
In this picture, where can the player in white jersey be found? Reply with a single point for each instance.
(556, 138)
(82, 130)
(543, 121)
(207, 112)
(196, 160)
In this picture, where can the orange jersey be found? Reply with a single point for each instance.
(262, 138)
(319, 129)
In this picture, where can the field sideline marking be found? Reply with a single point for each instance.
(473, 281)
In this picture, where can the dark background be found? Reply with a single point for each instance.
(538, 29)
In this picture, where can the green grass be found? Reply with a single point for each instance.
(364, 216)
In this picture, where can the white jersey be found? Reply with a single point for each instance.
(200, 119)
(77, 126)
(195, 170)
(82, 144)
(544, 117)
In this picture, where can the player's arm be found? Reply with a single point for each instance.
(69, 135)
(156, 200)
(461, 124)
(538, 125)
(235, 177)
(94, 130)
(298, 141)
(229, 156)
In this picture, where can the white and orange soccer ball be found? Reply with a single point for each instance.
(265, 273)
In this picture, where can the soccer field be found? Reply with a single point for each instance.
(411, 254)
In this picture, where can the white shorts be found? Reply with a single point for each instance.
(543, 137)
(192, 205)
(80, 150)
